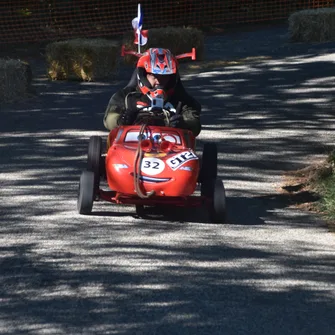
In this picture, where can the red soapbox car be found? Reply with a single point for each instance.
(147, 164)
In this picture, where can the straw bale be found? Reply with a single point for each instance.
(177, 39)
(82, 59)
(15, 80)
(312, 25)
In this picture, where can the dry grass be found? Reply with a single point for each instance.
(313, 189)
(313, 25)
(307, 178)
(82, 59)
(15, 80)
(177, 40)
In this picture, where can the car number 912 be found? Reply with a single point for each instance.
(178, 160)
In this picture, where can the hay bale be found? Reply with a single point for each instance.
(82, 59)
(312, 25)
(177, 40)
(15, 80)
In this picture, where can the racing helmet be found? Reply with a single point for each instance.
(157, 61)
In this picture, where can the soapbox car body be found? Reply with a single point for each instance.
(148, 165)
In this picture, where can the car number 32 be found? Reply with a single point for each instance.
(176, 161)
(152, 166)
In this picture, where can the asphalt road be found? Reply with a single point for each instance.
(269, 270)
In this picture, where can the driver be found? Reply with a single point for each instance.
(157, 77)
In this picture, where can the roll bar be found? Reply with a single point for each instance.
(137, 54)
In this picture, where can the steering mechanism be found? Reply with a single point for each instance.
(157, 102)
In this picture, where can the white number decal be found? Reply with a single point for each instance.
(152, 166)
(178, 160)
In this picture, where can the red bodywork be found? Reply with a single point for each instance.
(169, 166)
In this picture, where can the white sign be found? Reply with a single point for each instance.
(152, 166)
(178, 160)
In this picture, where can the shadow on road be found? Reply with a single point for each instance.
(187, 295)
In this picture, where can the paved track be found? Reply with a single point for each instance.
(269, 270)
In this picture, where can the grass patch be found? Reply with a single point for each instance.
(317, 180)
(327, 189)
(325, 186)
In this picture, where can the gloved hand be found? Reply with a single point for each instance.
(176, 121)
(127, 117)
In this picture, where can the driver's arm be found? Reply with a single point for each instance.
(191, 109)
(191, 117)
(114, 108)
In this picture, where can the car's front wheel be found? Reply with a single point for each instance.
(94, 159)
(86, 193)
(209, 162)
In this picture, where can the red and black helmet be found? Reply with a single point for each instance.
(157, 61)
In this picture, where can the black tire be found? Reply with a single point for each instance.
(215, 193)
(94, 159)
(103, 167)
(140, 211)
(86, 193)
(209, 163)
(218, 209)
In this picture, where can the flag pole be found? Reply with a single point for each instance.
(139, 17)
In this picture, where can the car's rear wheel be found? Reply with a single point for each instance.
(215, 193)
(86, 193)
(140, 211)
(95, 160)
(209, 162)
(218, 211)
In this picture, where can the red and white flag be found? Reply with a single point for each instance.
(141, 36)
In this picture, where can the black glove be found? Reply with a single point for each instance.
(176, 121)
(127, 117)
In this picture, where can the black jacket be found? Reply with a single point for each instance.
(131, 95)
